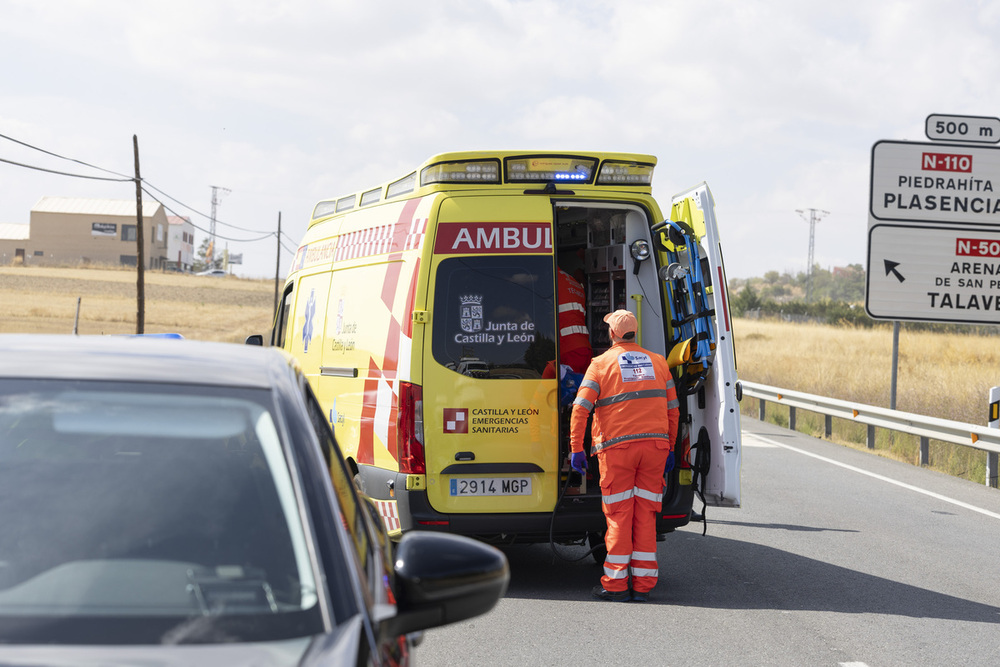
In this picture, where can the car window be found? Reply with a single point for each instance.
(494, 316)
(167, 513)
(343, 484)
(281, 322)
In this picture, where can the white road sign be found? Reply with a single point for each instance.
(924, 273)
(935, 183)
(980, 129)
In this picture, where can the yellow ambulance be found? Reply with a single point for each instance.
(424, 312)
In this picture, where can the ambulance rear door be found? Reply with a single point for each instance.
(714, 408)
(490, 419)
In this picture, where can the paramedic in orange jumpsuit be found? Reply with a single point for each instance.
(631, 392)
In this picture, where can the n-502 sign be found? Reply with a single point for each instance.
(979, 129)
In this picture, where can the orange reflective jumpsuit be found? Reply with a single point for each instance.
(636, 411)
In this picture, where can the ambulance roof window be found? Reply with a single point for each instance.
(324, 208)
(402, 186)
(345, 203)
(371, 196)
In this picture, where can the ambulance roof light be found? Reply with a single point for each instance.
(615, 172)
(550, 168)
(462, 171)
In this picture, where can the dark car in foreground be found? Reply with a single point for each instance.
(179, 502)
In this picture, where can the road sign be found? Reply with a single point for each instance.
(980, 129)
(935, 183)
(939, 274)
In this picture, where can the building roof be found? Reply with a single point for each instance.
(11, 231)
(177, 219)
(120, 207)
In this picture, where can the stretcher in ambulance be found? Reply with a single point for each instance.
(424, 313)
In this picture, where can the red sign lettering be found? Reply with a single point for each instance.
(946, 162)
(461, 238)
(977, 247)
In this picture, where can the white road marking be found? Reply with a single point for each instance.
(904, 485)
(756, 441)
(852, 664)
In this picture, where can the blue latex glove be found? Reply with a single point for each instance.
(670, 463)
(578, 462)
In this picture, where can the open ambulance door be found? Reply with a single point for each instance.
(711, 398)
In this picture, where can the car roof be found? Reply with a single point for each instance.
(140, 359)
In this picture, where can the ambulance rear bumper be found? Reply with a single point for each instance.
(575, 517)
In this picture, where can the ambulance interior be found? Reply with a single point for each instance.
(597, 244)
(608, 249)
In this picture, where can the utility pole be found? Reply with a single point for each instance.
(215, 202)
(277, 265)
(140, 255)
(814, 217)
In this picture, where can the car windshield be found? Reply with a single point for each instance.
(137, 513)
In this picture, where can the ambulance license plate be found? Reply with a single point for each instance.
(491, 486)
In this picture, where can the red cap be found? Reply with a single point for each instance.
(621, 322)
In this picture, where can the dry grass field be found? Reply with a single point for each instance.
(44, 300)
(939, 375)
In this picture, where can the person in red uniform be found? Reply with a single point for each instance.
(632, 394)
(574, 340)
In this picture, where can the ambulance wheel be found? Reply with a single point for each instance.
(601, 551)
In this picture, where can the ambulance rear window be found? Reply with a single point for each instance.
(494, 316)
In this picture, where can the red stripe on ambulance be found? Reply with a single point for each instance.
(462, 238)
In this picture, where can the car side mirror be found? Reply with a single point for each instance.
(443, 578)
(255, 339)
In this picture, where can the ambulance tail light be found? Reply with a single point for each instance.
(410, 425)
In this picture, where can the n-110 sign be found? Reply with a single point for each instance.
(980, 129)
(936, 183)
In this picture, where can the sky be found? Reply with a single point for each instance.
(775, 104)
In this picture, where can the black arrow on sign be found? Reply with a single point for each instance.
(890, 267)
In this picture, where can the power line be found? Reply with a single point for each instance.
(266, 235)
(66, 173)
(194, 210)
(123, 179)
(63, 157)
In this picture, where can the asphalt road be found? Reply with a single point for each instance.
(838, 557)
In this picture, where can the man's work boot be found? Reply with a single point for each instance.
(611, 596)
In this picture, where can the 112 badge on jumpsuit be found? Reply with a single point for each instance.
(636, 367)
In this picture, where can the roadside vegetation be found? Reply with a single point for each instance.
(830, 347)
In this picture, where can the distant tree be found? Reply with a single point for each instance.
(201, 262)
(746, 299)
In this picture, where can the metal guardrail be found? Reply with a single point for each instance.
(927, 428)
